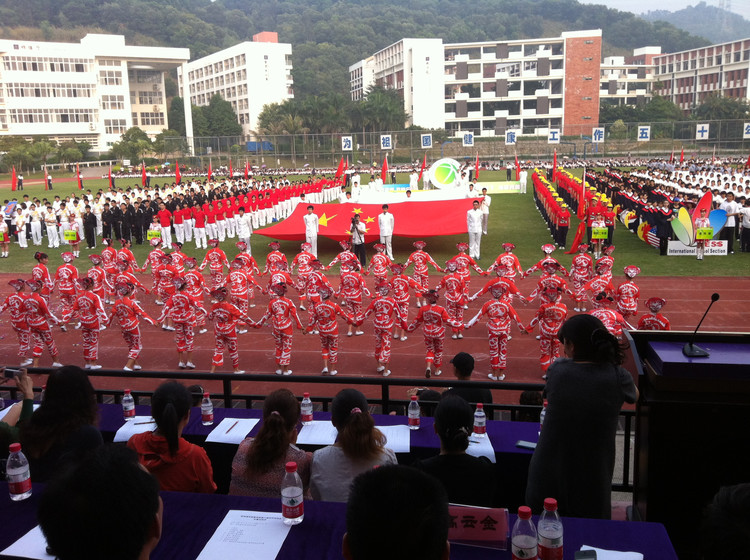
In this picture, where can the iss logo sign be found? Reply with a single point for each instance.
(444, 173)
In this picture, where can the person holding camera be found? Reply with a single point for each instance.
(358, 231)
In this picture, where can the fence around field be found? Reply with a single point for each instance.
(386, 402)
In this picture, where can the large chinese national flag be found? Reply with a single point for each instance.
(412, 219)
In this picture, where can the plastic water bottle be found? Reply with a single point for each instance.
(550, 531)
(128, 406)
(19, 477)
(207, 410)
(523, 538)
(542, 414)
(41, 394)
(292, 501)
(2, 403)
(413, 412)
(480, 421)
(306, 409)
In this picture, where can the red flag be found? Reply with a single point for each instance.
(230, 168)
(554, 167)
(13, 179)
(346, 165)
(384, 174)
(78, 178)
(582, 202)
(747, 163)
(209, 170)
(578, 238)
(247, 171)
(46, 182)
(671, 157)
(438, 217)
(110, 176)
(177, 175)
(143, 175)
(476, 168)
(518, 169)
(340, 168)
(424, 164)
(682, 154)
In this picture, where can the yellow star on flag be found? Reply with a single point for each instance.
(323, 220)
(357, 211)
(347, 232)
(369, 220)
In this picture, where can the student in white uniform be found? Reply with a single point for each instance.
(311, 229)
(486, 201)
(386, 223)
(474, 227)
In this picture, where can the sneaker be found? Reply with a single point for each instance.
(170, 328)
(386, 373)
(202, 331)
(348, 334)
(544, 377)
(496, 377)
(103, 328)
(358, 333)
(56, 364)
(577, 309)
(510, 337)
(278, 372)
(460, 335)
(403, 338)
(63, 328)
(27, 362)
(454, 336)
(252, 305)
(427, 373)
(240, 371)
(302, 307)
(190, 365)
(395, 336)
(288, 372)
(86, 366)
(126, 368)
(137, 367)
(181, 365)
(438, 372)
(159, 302)
(243, 331)
(380, 369)
(333, 372)
(325, 371)
(419, 303)
(538, 337)
(466, 307)
(78, 326)
(95, 366)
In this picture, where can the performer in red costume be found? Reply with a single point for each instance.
(195, 288)
(109, 263)
(323, 321)
(14, 303)
(124, 277)
(507, 263)
(251, 266)
(499, 314)
(433, 317)
(183, 310)
(509, 288)
(385, 309)
(38, 317)
(455, 297)
(379, 264)
(302, 263)
(352, 287)
(178, 257)
(613, 320)
(154, 260)
(547, 249)
(599, 283)
(274, 258)
(346, 258)
(580, 273)
(225, 317)
(40, 273)
(654, 321)
(701, 223)
(125, 254)
(607, 262)
(420, 259)
(400, 284)
(240, 285)
(99, 278)
(463, 262)
(315, 280)
(128, 313)
(215, 260)
(89, 308)
(165, 285)
(628, 292)
(550, 279)
(65, 282)
(283, 315)
(550, 317)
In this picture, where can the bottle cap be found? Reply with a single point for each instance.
(127, 391)
(14, 447)
(205, 395)
(545, 402)
(524, 512)
(550, 504)
(291, 466)
(306, 395)
(480, 406)
(414, 397)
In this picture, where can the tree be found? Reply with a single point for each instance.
(293, 125)
(618, 130)
(41, 149)
(661, 109)
(384, 110)
(176, 116)
(222, 120)
(200, 122)
(716, 108)
(133, 145)
(170, 142)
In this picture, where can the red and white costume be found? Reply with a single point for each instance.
(499, 316)
(65, 282)
(109, 263)
(347, 260)
(128, 278)
(386, 310)
(433, 317)
(323, 320)
(128, 313)
(507, 263)
(215, 260)
(455, 297)
(225, 317)
(283, 316)
(14, 304)
(400, 284)
(604, 264)
(99, 278)
(91, 312)
(165, 278)
(302, 263)
(595, 286)
(654, 320)
(40, 273)
(547, 250)
(181, 308)
(352, 287)
(125, 254)
(550, 317)
(509, 289)
(581, 272)
(613, 320)
(240, 285)
(38, 316)
(463, 263)
(379, 264)
(550, 280)
(273, 259)
(195, 287)
(154, 260)
(627, 293)
(420, 259)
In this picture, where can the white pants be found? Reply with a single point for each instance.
(221, 229)
(231, 227)
(98, 224)
(179, 233)
(36, 232)
(166, 237)
(485, 219)
(256, 222)
(474, 241)
(188, 229)
(312, 239)
(387, 240)
(52, 240)
(212, 231)
(22, 241)
(246, 240)
(200, 238)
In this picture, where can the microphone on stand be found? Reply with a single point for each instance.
(691, 350)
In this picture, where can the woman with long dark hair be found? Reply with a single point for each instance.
(178, 465)
(359, 447)
(575, 457)
(63, 429)
(258, 466)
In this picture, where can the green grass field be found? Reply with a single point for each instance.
(513, 218)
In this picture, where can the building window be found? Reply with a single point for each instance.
(152, 119)
(114, 126)
(110, 77)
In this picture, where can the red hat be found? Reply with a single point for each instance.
(451, 266)
(305, 246)
(462, 246)
(155, 241)
(397, 268)
(190, 262)
(279, 288)
(379, 247)
(419, 245)
(383, 288)
(583, 247)
(498, 290)
(552, 293)
(124, 288)
(275, 245)
(213, 242)
(609, 249)
(548, 248)
(95, 259)
(241, 245)
(176, 245)
(17, 284)
(237, 263)
(179, 282)
(431, 296)
(508, 247)
(35, 285)
(632, 271)
(85, 283)
(603, 299)
(219, 294)
(345, 244)
(68, 257)
(325, 291)
(655, 304)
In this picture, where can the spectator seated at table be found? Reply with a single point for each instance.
(18, 413)
(530, 398)
(63, 429)
(359, 447)
(398, 513)
(467, 479)
(258, 466)
(177, 464)
(725, 528)
(108, 506)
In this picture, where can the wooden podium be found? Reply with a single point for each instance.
(692, 427)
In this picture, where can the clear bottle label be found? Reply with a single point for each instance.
(307, 417)
(207, 416)
(292, 506)
(480, 429)
(413, 421)
(20, 486)
(128, 412)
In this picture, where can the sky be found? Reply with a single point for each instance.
(741, 7)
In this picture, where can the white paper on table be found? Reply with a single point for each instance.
(481, 447)
(320, 432)
(247, 534)
(602, 554)
(137, 425)
(6, 410)
(398, 438)
(31, 545)
(232, 430)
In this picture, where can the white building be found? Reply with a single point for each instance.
(628, 80)
(92, 91)
(248, 75)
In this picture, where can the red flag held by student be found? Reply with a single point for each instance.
(46, 182)
(747, 163)
(682, 154)
(578, 238)
(424, 164)
(177, 174)
(476, 168)
(143, 175)
(384, 174)
(231, 173)
(671, 157)
(13, 179)
(346, 165)
(209, 171)
(554, 167)
(109, 177)
(247, 171)
(78, 178)
(518, 169)
(340, 168)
